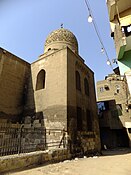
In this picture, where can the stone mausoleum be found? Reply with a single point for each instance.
(56, 93)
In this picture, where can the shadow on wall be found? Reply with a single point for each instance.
(14, 73)
(112, 132)
(33, 131)
(28, 99)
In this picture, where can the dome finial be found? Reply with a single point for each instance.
(61, 25)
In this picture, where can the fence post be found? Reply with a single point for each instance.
(45, 140)
(20, 136)
(63, 139)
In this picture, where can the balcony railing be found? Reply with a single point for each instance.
(122, 39)
(115, 6)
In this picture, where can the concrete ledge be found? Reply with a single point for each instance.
(13, 162)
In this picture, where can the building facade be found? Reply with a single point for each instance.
(120, 22)
(59, 95)
(114, 113)
(114, 93)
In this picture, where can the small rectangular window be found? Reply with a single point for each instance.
(101, 89)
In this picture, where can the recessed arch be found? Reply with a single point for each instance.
(86, 86)
(78, 81)
(40, 82)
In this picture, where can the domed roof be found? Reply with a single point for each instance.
(64, 36)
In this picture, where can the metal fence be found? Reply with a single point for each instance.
(17, 139)
(9, 140)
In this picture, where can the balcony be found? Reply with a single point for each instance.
(122, 39)
(122, 5)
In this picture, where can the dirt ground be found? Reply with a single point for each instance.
(111, 163)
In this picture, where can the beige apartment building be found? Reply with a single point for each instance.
(114, 111)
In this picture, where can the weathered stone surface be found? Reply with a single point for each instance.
(14, 162)
(14, 73)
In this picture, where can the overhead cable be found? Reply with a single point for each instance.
(97, 32)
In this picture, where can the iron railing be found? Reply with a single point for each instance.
(17, 139)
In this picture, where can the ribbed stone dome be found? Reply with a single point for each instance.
(60, 38)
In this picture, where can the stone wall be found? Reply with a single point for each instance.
(86, 143)
(78, 98)
(20, 138)
(38, 137)
(15, 162)
(14, 74)
(52, 99)
(9, 137)
(58, 100)
(49, 103)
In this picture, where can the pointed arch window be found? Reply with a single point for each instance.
(40, 82)
(86, 86)
(78, 81)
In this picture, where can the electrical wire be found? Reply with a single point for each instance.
(97, 32)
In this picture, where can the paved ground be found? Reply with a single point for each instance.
(112, 163)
